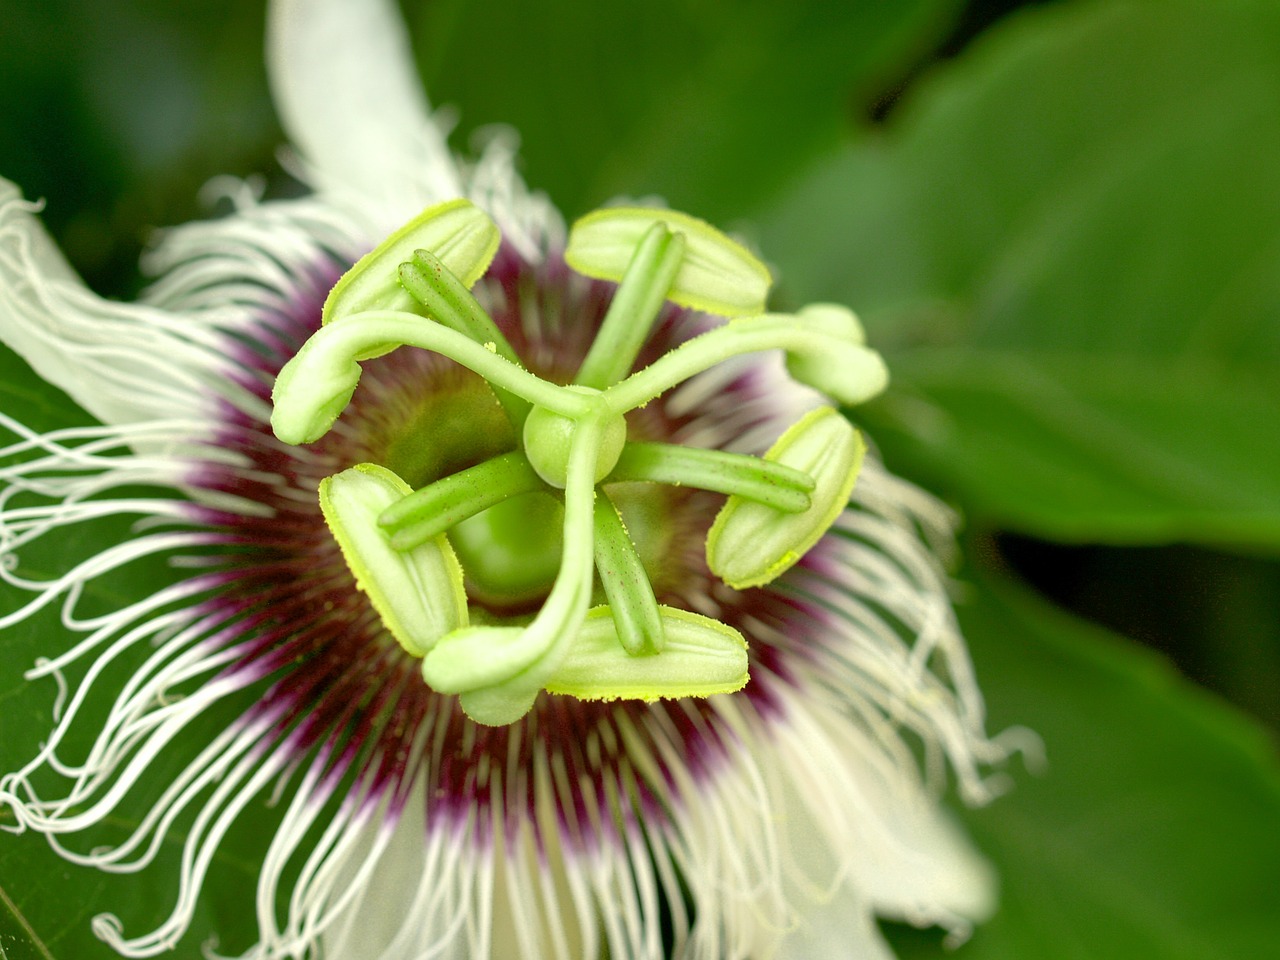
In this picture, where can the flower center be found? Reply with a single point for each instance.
(535, 519)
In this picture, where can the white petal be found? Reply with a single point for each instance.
(943, 874)
(447, 893)
(859, 820)
(349, 98)
(842, 927)
(123, 363)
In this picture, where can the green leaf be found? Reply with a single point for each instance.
(52, 902)
(711, 105)
(1079, 448)
(17, 940)
(131, 148)
(1152, 831)
(1085, 201)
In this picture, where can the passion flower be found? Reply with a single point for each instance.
(513, 517)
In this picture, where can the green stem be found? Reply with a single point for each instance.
(640, 295)
(626, 584)
(430, 511)
(373, 333)
(773, 484)
(447, 300)
(748, 335)
(548, 636)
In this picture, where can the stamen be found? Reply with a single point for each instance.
(701, 657)
(716, 274)
(635, 305)
(436, 508)
(635, 609)
(751, 543)
(419, 592)
(460, 233)
(773, 484)
(446, 299)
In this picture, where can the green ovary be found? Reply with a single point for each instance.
(511, 552)
(548, 437)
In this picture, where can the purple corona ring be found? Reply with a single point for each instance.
(581, 626)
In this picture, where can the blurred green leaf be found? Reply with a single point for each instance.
(1080, 448)
(119, 112)
(1152, 833)
(1070, 247)
(39, 406)
(17, 940)
(711, 104)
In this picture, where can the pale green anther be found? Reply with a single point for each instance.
(418, 593)
(458, 232)
(750, 544)
(622, 574)
(701, 657)
(844, 369)
(716, 275)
